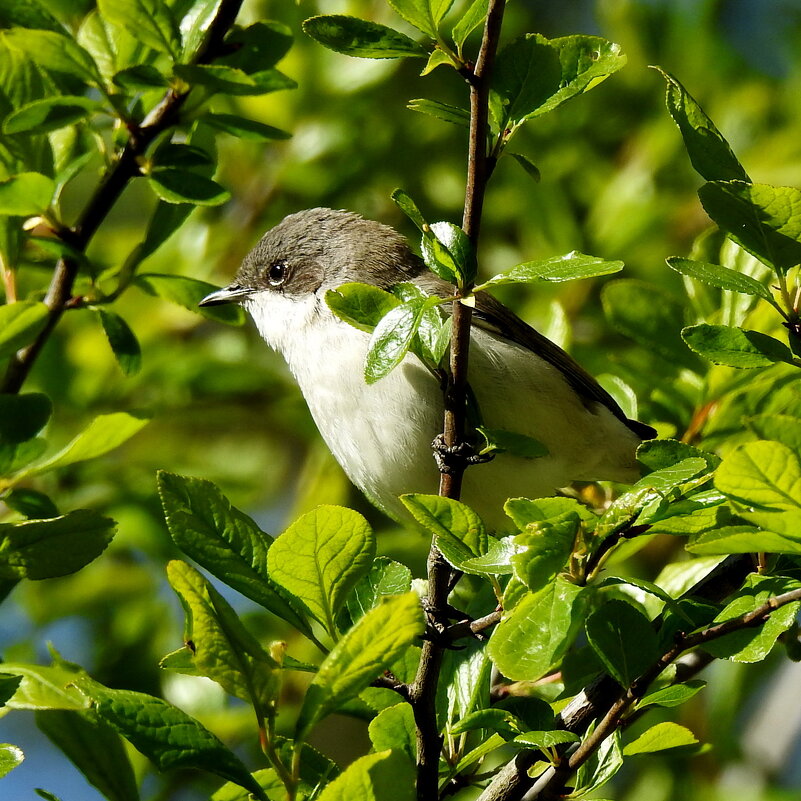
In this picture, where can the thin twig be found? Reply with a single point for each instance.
(422, 692)
(106, 195)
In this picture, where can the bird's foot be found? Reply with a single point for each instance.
(450, 458)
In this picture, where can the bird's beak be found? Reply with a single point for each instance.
(228, 294)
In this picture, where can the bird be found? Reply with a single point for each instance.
(381, 433)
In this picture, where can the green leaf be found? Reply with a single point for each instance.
(188, 292)
(524, 511)
(497, 561)
(320, 557)
(360, 38)
(20, 323)
(14, 457)
(494, 719)
(735, 347)
(624, 639)
(361, 305)
(764, 219)
(742, 539)
(531, 639)
(10, 757)
(223, 540)
(31, 503)
(391, 339)
(497, 440)
(103, 434)
(409, 208)
(94, 748)
(753, 644)
(474, 16)
(544, 548)
(49, 114)
(425, 15)
(179, 156)
(122, 340)
(150, 21)
(54, 51)
(141, 77)
(194, 26)
(462, 256)
(534, 75)
(184, 186)
(459, 531)
(529, 167)
(370, 647)
(669, 478)
(660, 738)
(26, 193)
(721, 277)
(709, 152)
(23, 416)
(779, 427)
(222, 649)
(45, 687)
(393, 728)
(243, 128)
(650, 316)
(600, 768)
(374, 777)
(28, 14)
(766, 478)
(233, 81)
(8, 686)
(40, 549)
(385, 577)
(475, 756)
(546, 739)
(258, 47)
(658, 453)
(573, 266)
(672, 695)
(266, 778)
(442, 111)
(167, 736)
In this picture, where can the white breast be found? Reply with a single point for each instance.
(381, 433)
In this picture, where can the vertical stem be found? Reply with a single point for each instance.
(423, 691)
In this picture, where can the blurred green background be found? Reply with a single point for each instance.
(616, 182)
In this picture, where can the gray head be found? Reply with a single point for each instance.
(319, 249)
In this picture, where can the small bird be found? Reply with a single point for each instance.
(381, 433)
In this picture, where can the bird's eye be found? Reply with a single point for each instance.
(277, 273)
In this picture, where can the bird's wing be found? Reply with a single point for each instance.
(491, 315)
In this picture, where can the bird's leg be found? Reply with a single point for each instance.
(450, 458)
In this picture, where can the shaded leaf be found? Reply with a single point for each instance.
(184, 186)
(442, 111)
(122, 340)
(624, 639)
(58, 546)
(225, 541)
(709, 152)
(188, 292)
(150, 21)
(244, 128)
(735, 347)
(358, 37)
(54, 51)
(721, 277)
(49, 114)
(23, 416)
(764, 219)
(672, 695)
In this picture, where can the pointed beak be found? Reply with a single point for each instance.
(228, 294)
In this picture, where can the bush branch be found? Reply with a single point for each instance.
(596, 701)
(126, 167)
(422, 692)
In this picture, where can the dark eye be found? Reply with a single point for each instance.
(277, 273)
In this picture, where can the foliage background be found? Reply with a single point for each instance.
(615, 182)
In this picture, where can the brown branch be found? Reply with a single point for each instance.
(473, 628)
(106, 195)
(422, 693)
(594, 702)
